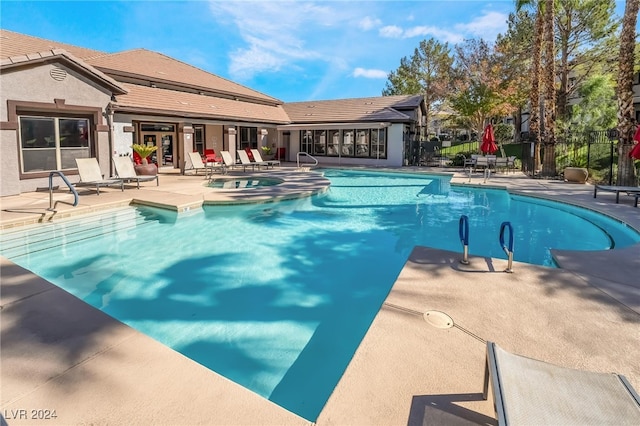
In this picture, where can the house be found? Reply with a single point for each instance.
(60, 102)
(365, 131)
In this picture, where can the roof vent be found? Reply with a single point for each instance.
(58, 74)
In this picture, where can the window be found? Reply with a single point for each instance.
(379, 143)
(306, 141)
(52, 143)
(320, 142)
(198, 139)
(362, 143)
(248, 137)
(333, 143)
(348, 137)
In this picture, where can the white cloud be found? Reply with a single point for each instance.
(369, 73)
(273, 33)
(391, 31)
(367, 23)
(486, 26)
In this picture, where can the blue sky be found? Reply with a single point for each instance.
(291, 50)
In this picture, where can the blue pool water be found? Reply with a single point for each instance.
(277, 297)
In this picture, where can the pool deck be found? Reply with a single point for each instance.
(58, 353)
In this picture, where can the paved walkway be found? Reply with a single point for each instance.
(60, 354)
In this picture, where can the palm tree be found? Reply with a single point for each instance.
(536, 66)
(626, 171)
(549, 160)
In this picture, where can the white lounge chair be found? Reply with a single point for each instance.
(90, 175)
(229, 162)
(528, 391)
(126, 172)
(197, 163)
(258, 158)
(246, 162)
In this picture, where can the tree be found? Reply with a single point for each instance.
(480, 89)
(514, 54)
(626, 119)
(426, 73)
(536, 65)
(597, 107)
(548, 78)
(585, 33)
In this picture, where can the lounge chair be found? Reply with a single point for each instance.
(258, 159)
(90, 175)
(246, 162)
(528, 391)
(228, 161)
(630, 190)
(211, 157)
(196, 163)
(126, 172)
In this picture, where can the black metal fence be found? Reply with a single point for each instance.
(595, 150)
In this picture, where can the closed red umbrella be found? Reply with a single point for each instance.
(488, 141)
(635, 152)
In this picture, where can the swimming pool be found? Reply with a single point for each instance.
(278, 296)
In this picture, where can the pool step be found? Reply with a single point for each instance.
(21, 241)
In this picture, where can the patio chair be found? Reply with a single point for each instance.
(246, 162)
(229, 162)
(126, 172)
(258, 158)
(196, 162)
(211, 157)
(528, 391)
(90, 175)
(617, 189)
(501, 163)
(481, 161)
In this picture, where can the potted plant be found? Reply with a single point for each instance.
(144, 151)
(267, 153)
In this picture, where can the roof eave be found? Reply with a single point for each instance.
(54, 55)
(266, 100)
(182, 114)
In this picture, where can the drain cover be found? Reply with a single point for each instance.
(438, 319)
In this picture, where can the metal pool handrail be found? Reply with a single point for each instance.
(71, 188)
(463, 230)
(507, 249)
(310, 156)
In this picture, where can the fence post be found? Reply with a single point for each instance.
(611, 162)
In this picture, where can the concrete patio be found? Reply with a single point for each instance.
(61, 354)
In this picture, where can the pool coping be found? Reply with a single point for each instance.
(403, 372)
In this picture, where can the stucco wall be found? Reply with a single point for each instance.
(37, 84)
(122, 140)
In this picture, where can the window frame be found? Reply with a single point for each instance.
(58, 148)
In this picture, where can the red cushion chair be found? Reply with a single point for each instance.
(211, 157)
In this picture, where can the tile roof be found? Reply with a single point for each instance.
(156, 67)
(383, 108)
(63, 56)
(142, 99)
(16, 44)
(141, 63)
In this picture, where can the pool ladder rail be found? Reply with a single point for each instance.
(463, 231)
(305, 169)
(52, 205)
